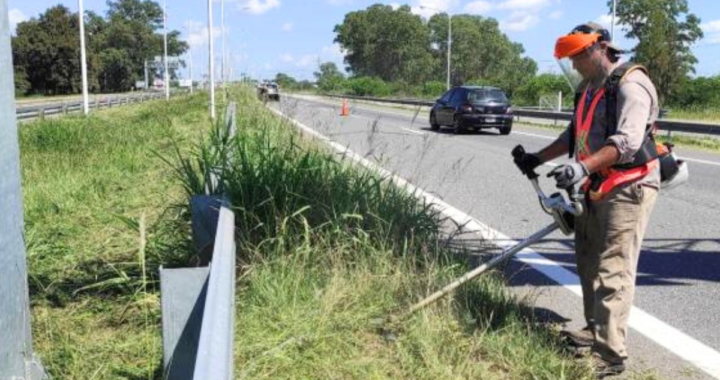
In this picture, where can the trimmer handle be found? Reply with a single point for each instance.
(518, 152)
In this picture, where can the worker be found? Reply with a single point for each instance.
(614, 164)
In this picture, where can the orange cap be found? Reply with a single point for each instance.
(567, 46)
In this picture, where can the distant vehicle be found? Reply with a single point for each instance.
(268, 91)
(472, 107)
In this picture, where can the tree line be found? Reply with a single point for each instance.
(46, 49)
(393, 51)
(388, 51)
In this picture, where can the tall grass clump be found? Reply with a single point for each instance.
(98, 223)
(326, 249)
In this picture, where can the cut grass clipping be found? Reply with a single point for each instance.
(326, 249)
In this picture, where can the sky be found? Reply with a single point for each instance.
(264, 37)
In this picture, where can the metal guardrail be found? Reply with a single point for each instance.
(63, 108)
(663, 125)
(215, 349)
(199, 303)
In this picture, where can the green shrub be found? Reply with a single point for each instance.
(367, 86)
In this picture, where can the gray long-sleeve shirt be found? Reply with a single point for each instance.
(637, 107)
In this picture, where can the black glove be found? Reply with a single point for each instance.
(527, 162)
(569, 174)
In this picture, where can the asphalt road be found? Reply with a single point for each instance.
(679, 269)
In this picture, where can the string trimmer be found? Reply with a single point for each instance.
(562, 211)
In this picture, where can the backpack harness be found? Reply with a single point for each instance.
(603, 182)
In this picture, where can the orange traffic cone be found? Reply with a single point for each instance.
(345, 108)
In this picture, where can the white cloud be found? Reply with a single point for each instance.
(427, 8)
(307, 60)
(332, 52)
(395, 6)
(478, 7)
(287, 27)
(712, 32)
(708, 27)
(524, 4)
(557, 15)
(519, 22)
(198, 33)
(15, 16)
(606, 21)
(258, 6)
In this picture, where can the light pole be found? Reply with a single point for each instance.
(449, 41)
(167, 75)
(211, 71)
(223, 73)
(188, 27)
(83, 60)
(612, 26)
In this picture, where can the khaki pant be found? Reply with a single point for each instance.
(608, 238)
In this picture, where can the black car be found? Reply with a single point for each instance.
(472, 107)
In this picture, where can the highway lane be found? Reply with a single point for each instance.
(678, 275)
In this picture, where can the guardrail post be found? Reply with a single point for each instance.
(64, 108)
(41, 113)
(17, 361)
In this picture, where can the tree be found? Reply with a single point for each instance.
(285, 81)
(665, 30)
(542, 85)
(480, 53)
(329, 78)
(392, 44)
(134, 32)
(46, 50)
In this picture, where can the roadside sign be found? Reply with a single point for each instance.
(140, 84)
(185, 83)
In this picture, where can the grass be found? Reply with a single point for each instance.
(707, 114)
(99, 222)
(326, 250)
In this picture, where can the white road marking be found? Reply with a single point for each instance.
(672, 339)
(699, 161)
(534, 135)
(413, 131)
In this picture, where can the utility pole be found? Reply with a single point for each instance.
(167, 74)
(17, 360)
(223, 73)
(612, 27)
(83, 60)
(449, 44)
(191, 69)
(147, 85)
(211, 71)
(188, 27)
(449, 41)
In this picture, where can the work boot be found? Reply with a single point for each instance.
(603, 368)
(583, 338)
